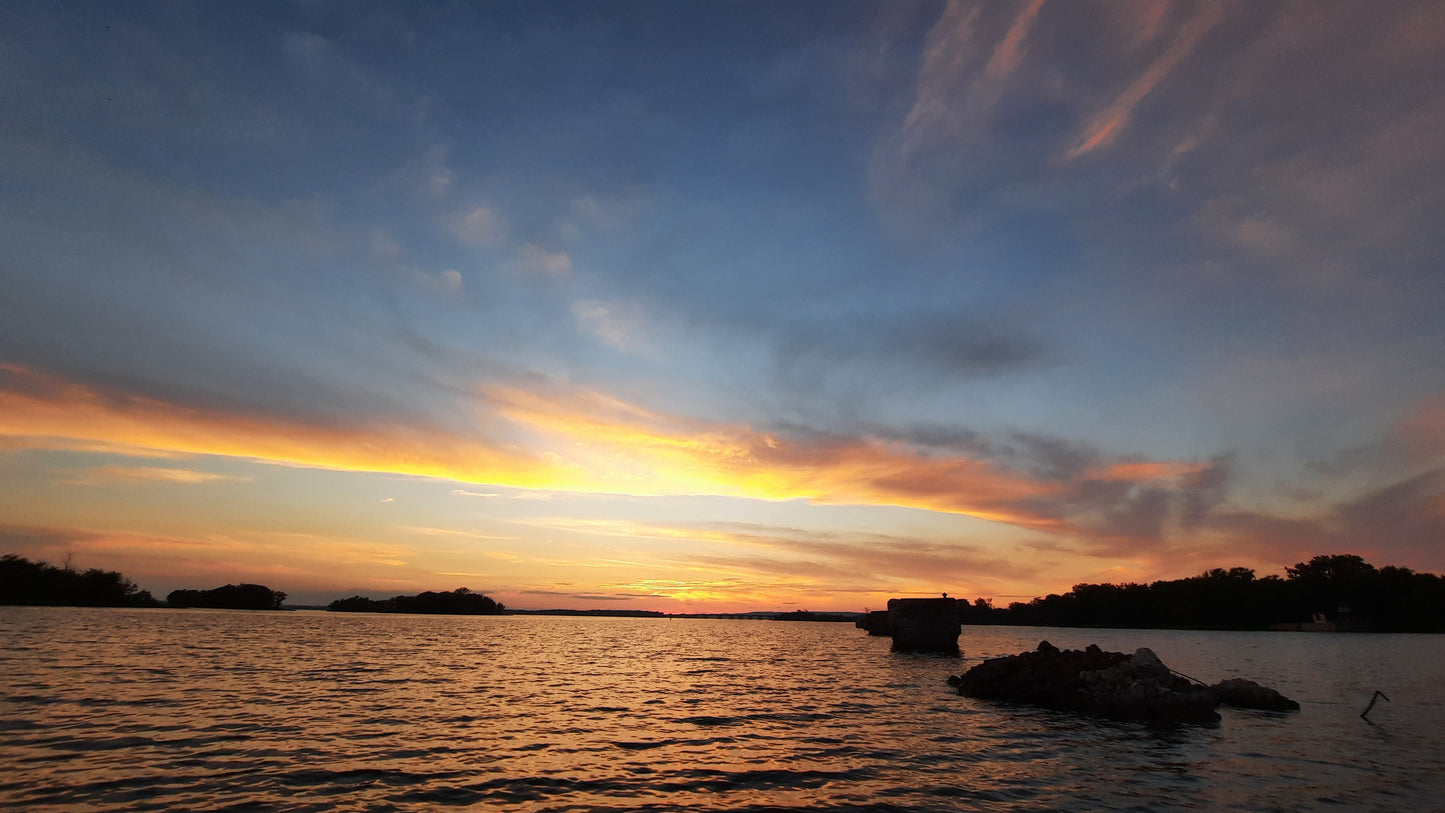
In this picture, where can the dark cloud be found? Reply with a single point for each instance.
(29, 538)
(936, 436)
(1050, 458)
(943, 343)
(1344, 462)
(1205, 489)
(1401, 523)
(1406, 516)
(1140, 516)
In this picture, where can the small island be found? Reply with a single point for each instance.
(460, 601)
(229, 597)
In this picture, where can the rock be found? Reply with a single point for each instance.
(1108, 684)
(1145, 662)
(1246, 694)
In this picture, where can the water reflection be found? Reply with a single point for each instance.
(126, 708)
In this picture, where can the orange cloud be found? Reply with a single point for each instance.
(574, 441)
(155, 474)
(1009, 52)
(639, 452)
(1105, 126)
(1140, 470)
(35, 404)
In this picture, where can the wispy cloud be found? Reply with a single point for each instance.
(586, 441)
(1106, 125)
(1009, 52)
(536, 259)
(942, 76)
(152, 474)
(449, 281)
(619, 326)
(480, 225)
(34, 404)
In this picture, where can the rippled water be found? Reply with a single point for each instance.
(212, 710)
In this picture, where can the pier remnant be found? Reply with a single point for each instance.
(876, 623)
(923, 624)
(1365, 715)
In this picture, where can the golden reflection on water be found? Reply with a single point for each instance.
(122, 708)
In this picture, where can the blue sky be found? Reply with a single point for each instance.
(721, 303)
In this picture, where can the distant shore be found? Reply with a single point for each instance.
(1328, 593)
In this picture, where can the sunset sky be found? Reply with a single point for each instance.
(720, 305)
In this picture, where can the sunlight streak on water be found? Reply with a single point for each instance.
(198, 709)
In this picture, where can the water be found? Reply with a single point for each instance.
(215, 710)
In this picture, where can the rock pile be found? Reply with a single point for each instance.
(1135, 687)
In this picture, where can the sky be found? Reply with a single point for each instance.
(720, 306)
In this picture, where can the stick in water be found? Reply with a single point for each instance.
(1378, 694)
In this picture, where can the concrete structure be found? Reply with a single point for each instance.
(876, 622)
(926, 624)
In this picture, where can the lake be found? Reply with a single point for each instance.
(122, 709)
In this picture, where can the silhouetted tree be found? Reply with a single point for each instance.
(25, 582)
(458, 602)
(229, 597)
(1343, 587)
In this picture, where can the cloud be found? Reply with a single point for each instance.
(760, 556)
(875, 564)
(479, 225)
(575, 440)
(941, 77)
(888, 345)
(1406, 517)
(1400, 523)
(448, 282)
(1422, 432)
(34, 404)
(617, 325)
(1204, 489)
(538, 260)
(1105, 126)
(152, 474)
(497, 495)
(434, 169)
(592, 596)
(1074, 490)
(54, 543)
(451, 532)
(160, 562)
(611, 212)
(1008, 53)
(213, 309)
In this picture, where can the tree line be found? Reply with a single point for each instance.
(457, 602)
(37, 583)
(1339, 588)
(229, 597)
